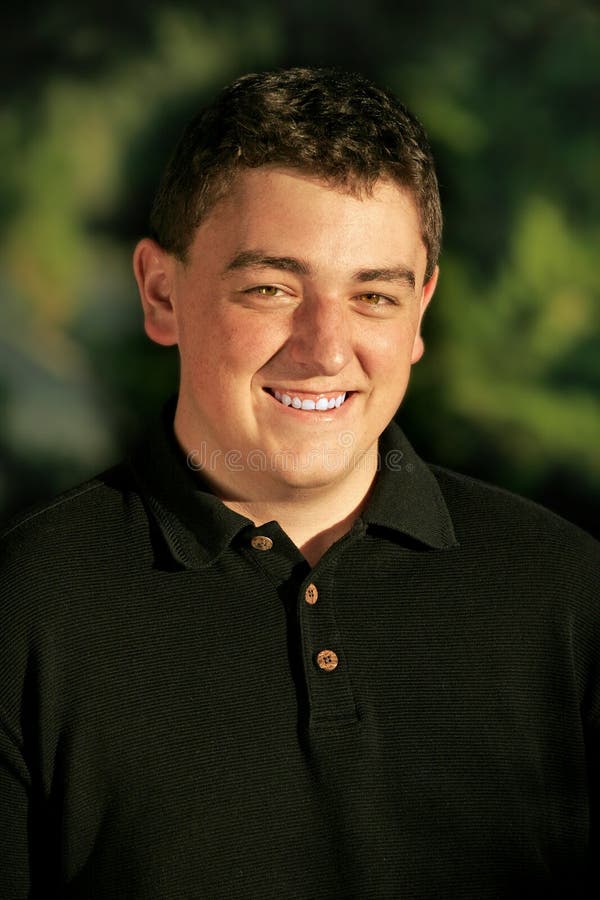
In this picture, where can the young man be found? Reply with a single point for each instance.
(274, 654)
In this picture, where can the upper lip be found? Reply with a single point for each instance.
(286, 389)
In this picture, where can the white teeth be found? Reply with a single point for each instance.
(321, 404)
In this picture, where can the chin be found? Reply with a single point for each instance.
(311, 475)
(304, 481)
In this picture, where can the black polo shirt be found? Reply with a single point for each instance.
(188, 710)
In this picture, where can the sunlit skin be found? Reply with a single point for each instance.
(294, 286)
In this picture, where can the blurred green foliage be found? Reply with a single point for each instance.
(509, 387)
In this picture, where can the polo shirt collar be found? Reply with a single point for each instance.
(406, 500)
(406, 497)
(195, 524)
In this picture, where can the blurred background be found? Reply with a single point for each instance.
(95, 95)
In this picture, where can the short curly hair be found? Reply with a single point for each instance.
(333, 124)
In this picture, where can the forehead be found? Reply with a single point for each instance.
(285, 205)
(249, 184)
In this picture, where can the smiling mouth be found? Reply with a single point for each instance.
(316, 402)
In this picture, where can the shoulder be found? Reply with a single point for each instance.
(86, 506)
(85, 529)
(496, 521)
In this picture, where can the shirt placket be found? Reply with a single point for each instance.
(331, 702)
(331, 699)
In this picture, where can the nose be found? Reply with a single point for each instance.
(321, 341)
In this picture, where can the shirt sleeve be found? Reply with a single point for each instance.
(593, 763)
(14, 843)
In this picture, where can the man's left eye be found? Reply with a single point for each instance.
(375, 299)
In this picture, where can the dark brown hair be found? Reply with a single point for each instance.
(333, 124)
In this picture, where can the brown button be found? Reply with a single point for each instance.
(327, 660)
(311, 594)
(261, 542)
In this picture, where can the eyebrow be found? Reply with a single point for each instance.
(256, 259)
(398, 273)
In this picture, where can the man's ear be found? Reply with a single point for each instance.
(426, 295)
(154, 269)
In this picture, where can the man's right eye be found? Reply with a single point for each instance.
(264, 290)
(268, 292)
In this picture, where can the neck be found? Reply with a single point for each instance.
(314, 515)
(313, 523)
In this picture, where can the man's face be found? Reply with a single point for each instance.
(297, 315)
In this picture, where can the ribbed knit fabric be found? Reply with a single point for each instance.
(167, 733)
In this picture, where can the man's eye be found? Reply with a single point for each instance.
(373, 299)
(264, 290)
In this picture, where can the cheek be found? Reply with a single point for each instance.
(388, 353)
(252, 339)
(226, 346)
